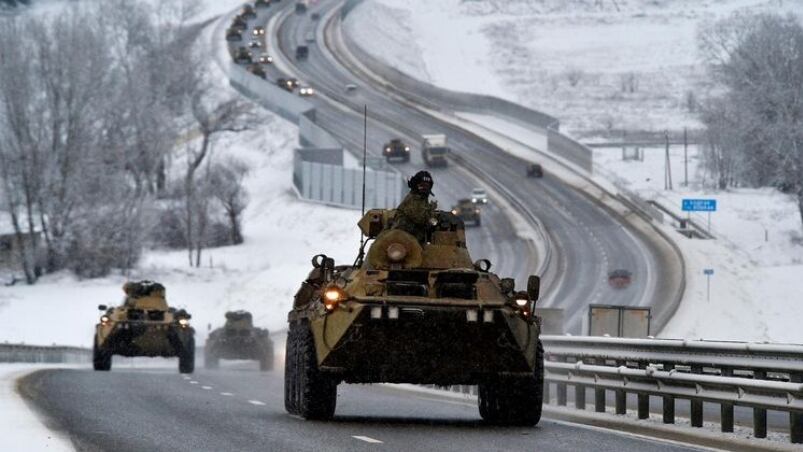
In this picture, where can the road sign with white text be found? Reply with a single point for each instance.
(699, 205)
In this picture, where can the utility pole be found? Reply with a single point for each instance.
(685, 159)
(667, 165)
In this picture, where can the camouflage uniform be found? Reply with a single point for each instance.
(413, 216)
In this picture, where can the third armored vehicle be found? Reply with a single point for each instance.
(467, 211)
(144, 326)
(396, 148)
(238, 339)
(242, 56)
(421, 313)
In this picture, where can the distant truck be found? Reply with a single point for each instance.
(434, 149)
(302, 52)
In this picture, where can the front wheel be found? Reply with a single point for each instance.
(101, 358)
(317, 392)
(514, 401)
(186, 358)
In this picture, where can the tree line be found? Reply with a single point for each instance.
(754, 113)
(107, 119)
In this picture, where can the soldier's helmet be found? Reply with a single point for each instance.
(422, 181)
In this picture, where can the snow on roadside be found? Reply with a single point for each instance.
(20, 428)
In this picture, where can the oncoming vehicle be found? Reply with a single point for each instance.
(143, 326)
(315, 16)
(238, 339)
(301, 7)
(309, 36)
(254, 43)
(242, 56)
(262, 3)
(535, 170)
(306, 91)
(258, 31)
(257, 70)
(479, 196)
(413, 313)
(467, 211)
(302, 52)
(396, 149)
(289, 84)
(619, 278)
(265, 59)
(434, 150)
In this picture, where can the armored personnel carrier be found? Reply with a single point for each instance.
(415, 313)
(238, 339)
(144, 326)
(467, 211)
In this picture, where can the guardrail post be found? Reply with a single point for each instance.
(726, 409)
(599, 394)
(643, 400)
(561, 388)
(621, 395)
(547, 394)
(759, 414)
(696, 405)
(669, 401)
(579, 394)
(796, 417)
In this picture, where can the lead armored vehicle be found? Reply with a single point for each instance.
(144, 325)
(467, 211)
(238, 339)
(416, 313)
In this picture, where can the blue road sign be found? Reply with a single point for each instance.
(699, 205)
(708, 271)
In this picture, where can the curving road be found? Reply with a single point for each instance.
(587, 240)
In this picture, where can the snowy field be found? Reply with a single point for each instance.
(597, 65)
(525, 51)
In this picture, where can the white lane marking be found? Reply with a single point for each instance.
(193, 382)
(367, 439)
(228, 394)
(256, 402)
(206, 387)
(185, 377)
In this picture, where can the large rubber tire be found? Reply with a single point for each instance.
(186, 357)
(266, 360)
(290, 367)
(317, 392)
(211, 360)
(101, 358)
(514, 401)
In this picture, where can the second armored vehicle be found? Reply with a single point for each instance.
(420, 313)
(238, 339)
(144, 326)
(396, 149)
(467, 211)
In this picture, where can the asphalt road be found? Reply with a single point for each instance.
(587, 240)
(238, 408)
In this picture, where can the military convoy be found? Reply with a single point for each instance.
(396, 149)
(239, 339)
(421, 313)
(144, 325)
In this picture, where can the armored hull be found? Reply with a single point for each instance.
(238, 339)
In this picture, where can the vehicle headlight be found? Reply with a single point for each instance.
(454, 211)
(473, 199)
(332, 296)
(183, 322)
(396, 252)
(104, 319)
(407, 148)
(521, 302)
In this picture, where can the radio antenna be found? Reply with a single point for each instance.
(364, 159)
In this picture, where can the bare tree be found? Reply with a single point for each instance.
(227, 187)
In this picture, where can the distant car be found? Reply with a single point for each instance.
(243, 56)
(239, 24)
(265, 59)
(351, 87)
(306, 91)
(258, 71)
(619, 278)
(248, 12)
(262, 3)
(232, 35)
(396, 148)
(254, 44)
(301, 7)
(309, 36)
(467, 211)
(315, 16)
(535, 170)
(258, 31)
(479, 196)
(288, 84)
(302, 52)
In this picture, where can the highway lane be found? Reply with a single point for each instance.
(237, 408)
(588, 241)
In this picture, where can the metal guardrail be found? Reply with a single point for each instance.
(755, 375)
(22, 353)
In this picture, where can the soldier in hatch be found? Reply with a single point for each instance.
(415, 211)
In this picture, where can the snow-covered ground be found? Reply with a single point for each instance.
(573, 59)
(524, 51)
